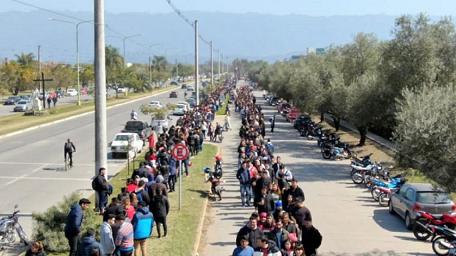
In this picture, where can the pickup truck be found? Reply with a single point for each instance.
(139, 127)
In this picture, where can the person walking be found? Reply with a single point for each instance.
(143, 222)
(124, 239)
(88, 246)
(272, 122)
(73, 224)
(68, 149)
(159, 206)
(245, 183)
(102, 188)
(106, 239)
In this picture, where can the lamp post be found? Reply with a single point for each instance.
(77, 51)
(123, 44)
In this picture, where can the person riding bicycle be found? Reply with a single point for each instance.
(133, 115)
(69, 148)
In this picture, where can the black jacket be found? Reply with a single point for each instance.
(251, 235)
(159, 206)
(311, 239)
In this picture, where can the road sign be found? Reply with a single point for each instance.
(180, 152)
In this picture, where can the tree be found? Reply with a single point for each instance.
(426, 132)
(159, 63)
(64, 76)
(114, 65)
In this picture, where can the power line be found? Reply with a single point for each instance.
(47, 10)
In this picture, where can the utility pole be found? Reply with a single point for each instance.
(222, 63)
(39, 66)
(177, 70)
(101, 160)
(196, 62)
(212, 64)
(150, 71)
(42, 81)
(219, 63)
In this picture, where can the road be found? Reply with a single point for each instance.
(349, 220)
(31, 163)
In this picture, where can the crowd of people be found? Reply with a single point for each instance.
(281, 224)
(129, 217)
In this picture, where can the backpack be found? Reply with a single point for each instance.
(139, 196)
(95, 184)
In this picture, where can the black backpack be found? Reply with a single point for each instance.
(95, 184)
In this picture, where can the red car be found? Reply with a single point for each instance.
(292, 114)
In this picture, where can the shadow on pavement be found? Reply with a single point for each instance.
(384, 219)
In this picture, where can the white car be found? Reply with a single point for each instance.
(155, 104)
(125, 143)
(121, 89)
(187, 105)
(22, 106)
(72, 92)
(159, 124)
(180, 110)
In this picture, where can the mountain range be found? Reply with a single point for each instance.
(250, 35)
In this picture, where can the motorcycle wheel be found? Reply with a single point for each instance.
(375, 193)
(326, 155)
(439, 246)
(383, 199)
(10, 235)
(357, 178)
(420, 232)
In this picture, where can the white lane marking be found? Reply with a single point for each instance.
(44, 178)
(59, 164)
(25, 175)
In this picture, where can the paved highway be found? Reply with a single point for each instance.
(31, 163)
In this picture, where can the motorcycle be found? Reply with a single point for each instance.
(445, 243)
(424, 226)
(362, 174)
(9, 227)
(216, 184)
(375, 184)
(337, 151)
(218, 171)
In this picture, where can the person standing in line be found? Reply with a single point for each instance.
(244, 249)
(73, 224)
(102, 187)
(159, 206)
(88, 246)
(142, 222)
(106, 239)
(124, 238)
(245, 183)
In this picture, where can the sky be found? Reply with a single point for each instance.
(278, 7)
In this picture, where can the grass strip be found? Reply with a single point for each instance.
(222, 109)
(17, 122)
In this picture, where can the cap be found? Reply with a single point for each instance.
(84, 201)
(278, 204)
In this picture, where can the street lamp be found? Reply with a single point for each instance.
(77, 50)
(123, 41)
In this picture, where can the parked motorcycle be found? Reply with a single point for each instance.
(9, 227)
(424, 226)
(375, 184)
(445, 243)
(361, 174)
(338, 151)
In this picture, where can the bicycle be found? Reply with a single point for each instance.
(67, 164)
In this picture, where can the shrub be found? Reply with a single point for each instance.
(49, 225)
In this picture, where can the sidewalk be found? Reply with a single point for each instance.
(225, 218)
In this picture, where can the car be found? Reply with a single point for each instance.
(155, 104)
(158, 124)
(192, 102)
(12, 100)
(180, 109)
(71, 92)
(184, 86)
(414, 197)
(292, 114)
(283, 108)
(190, 89)
(22, 106)
(139, 127)
(121, 89)
(173, 94)
(126, 143)
(187, 105)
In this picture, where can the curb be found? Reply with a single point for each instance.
(79, 115)
(199, 230)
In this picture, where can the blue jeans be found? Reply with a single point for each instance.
(102, 200)
(246, 193)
